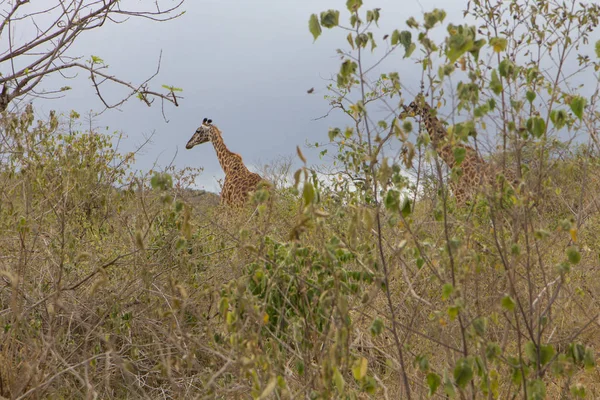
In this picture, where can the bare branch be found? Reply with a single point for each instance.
(26, 61)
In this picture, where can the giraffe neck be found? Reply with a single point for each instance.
(446, 153)
(435, 127)
(439, 139)
(226, 157)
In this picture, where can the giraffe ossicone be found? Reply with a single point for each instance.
(239, 181)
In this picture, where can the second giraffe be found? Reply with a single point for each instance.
(475, 170)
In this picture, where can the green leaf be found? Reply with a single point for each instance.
(433, 382)
(392, 200)
(420, 262)
(546, 354)
(330, 18)
(406, 207)
(376, 327)
(350, 40)
(492, 351)
(563, 268)
(406, 40)
(412, 23)
(539, 127)
(463, 373)
(432, 18)
(452, 312)
(361, 40)
(508, 303)
(410, 50)
(558, 118)
(447, 291)
(423, 363)
(161, 181)
(577, 105)
(517, 105)
(333, 132)
(495, 83)
(395, 37)
(597, 47)
(589, 360)
(480, 325)
(348, 67)
(359, 368)
(573, 255)
(531, 351)
(536, 126)
(314, 27)
(577, 352)
(459, 154)
(536, 389)
(97, 60)
(308, 193)
(530, 95)
(532, 75)
(515, 249)
(446, 70)
(477, 45)
(369, 385)
(300, 367)
(506, 68)
(338, 380)
(517, 375)
(499, 44)
(353, 5)
(172, 88)
(180, 243)
(373, 16)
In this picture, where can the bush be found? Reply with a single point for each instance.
(363, 282)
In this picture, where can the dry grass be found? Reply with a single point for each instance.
(159, 293)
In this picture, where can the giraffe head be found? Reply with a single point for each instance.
(416, 107)
(204, 133)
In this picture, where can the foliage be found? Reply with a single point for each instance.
(363, 281)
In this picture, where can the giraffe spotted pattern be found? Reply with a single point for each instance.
(239, 181)
(475, 170)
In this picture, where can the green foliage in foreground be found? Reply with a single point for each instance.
(128, 285)
(365, 285)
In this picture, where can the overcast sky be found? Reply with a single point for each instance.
(245, 64)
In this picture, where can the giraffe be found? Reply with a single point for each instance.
(475, 170)
(239, 181)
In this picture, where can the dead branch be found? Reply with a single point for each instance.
(35, 41)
